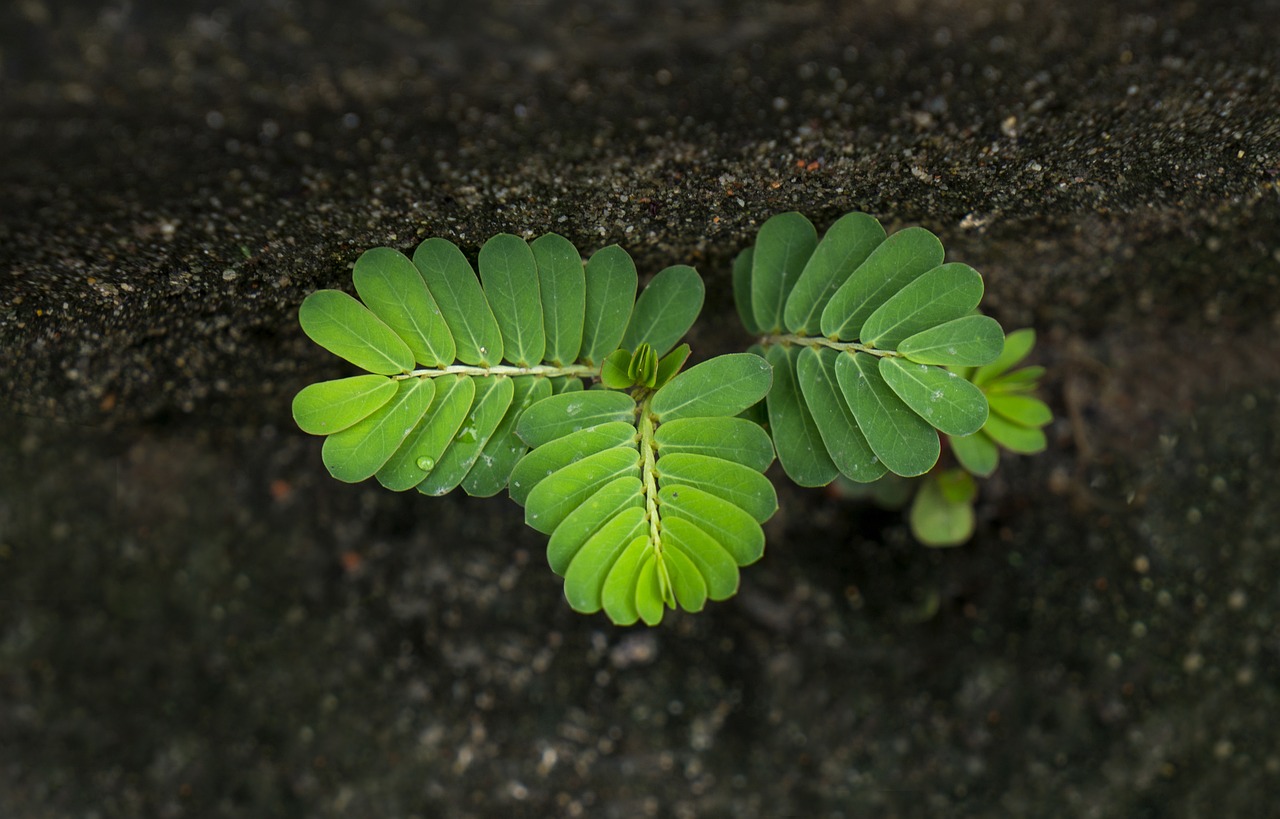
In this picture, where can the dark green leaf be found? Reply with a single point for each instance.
(783, 246)
(510, 277)
(740, 485)
(724, 385)
(742, 291)
(665, 310)
(611, 292)
(796, 436)
(896, 262)
(846, 245)
(569, 412)
(360, 450)
(734, 439)
(332, 406)
(423, 447)
(946, 401)
(564, 296)
(493, 397)
(964, 342)
(457, 292)
(944, 293)
(393, 290)
(904, 441)
(843, 440)
(560, 452)
(346, 328)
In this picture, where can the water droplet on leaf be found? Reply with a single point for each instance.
(425, 463)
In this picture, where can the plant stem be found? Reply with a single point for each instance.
(821, 341)
(547, 370)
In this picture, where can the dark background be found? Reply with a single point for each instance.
(196, 621)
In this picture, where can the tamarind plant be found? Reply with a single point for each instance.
(550, 379)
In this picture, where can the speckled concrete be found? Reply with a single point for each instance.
(198, 622)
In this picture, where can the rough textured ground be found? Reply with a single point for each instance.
(196, 621)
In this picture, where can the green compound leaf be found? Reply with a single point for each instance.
(359, 451)
(976, 453)
(665, 310)
(947, 402)
(846, 245)
(563, 286)
(454, 286)
(964, 342)
(724, 385)
(569, 412)
(1021, 409)
(1017, 346)
(509, 274)
(493, 397)
(424, 446)
(611, 292)
(347, 328)
(332, 406)
(896, 262)
(734, 439)
(391, 287)
(783, 246)
(796, 435)
(941, 295)
(904, 441)
(843, 440)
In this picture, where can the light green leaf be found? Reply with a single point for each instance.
(1021, 409)
(1014, 437)
(649, 596)
(560, 452)
(1017, 346)
(944, 293)
(948, 402)
(936, 520)
(590, 517)
(976, 453)
(783, 246)
(846, 245)
(564, 296)
(392, 288)
(734, 439)
(489, 474)
(904, 441)
(741, 485)
(565, 383)
(611, 292)
(687, 581)
(796, 436)
(724, 385)
(584, 579)
(555, 496)
(422, 449)
(346, 328)
(896, 262)
(665, 310)
(613, 371)
(457, 292)
(964, 342)
(493, 397)
(1020, 381)
(332, 406)
(619, 592)
(569, 412)
(360, 450)
(714, 563)
(731, 527)
(510, 278)
(671, 364)
(742, 290)
(843, 440)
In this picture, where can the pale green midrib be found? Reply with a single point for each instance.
(546, 370)
(822, 341)
(649, 472)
